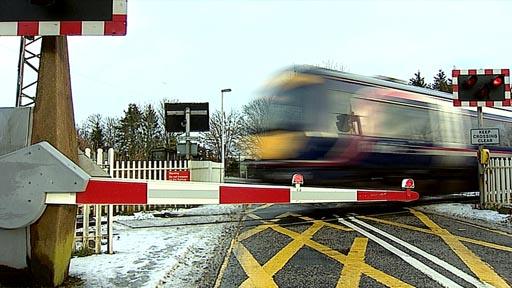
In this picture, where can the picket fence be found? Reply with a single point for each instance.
(201, 171)
(498, 182)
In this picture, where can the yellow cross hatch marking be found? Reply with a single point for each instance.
(259, 208)
(353, 264)
(351, 273)
(423, 230)
(282, 257)
(481, 269)
(257, 276)
(378, 275)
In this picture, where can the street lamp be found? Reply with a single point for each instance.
(222, 131)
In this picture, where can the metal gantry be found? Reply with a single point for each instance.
(30, 55)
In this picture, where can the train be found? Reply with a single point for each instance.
(340, 129)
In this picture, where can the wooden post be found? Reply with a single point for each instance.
(52, 236)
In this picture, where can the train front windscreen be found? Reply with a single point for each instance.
(295, 109)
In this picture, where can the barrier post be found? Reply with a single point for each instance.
(52, 236)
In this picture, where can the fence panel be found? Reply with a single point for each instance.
(498, 181)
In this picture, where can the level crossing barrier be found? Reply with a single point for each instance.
(49, 177)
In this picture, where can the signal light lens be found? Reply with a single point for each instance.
(471, 81)
(497, 81)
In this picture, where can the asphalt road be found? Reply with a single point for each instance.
(363, 246)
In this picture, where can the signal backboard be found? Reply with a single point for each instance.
(481, 87)
(62, 17)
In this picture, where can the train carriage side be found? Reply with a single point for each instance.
(340, 129)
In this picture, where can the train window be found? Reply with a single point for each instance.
(383, 119)
(339, 116)
(295, 109)
(505, 130)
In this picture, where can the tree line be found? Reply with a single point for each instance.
(141, 128)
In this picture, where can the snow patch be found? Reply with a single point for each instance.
(466, 211)
(166, 255)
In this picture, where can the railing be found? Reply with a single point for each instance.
(498, 182)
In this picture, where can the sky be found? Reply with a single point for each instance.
(189, 50)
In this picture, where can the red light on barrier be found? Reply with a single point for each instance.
(407, 184)
(297, 179)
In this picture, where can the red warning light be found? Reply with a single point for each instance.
(471, 81)
(498, 81)
(408, 183)
(297, 179)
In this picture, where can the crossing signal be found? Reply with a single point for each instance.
(489, 87)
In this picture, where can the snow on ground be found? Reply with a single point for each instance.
(165, 252)
(183, 248)
(469, 213)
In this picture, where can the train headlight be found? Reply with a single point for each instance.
(408, 184)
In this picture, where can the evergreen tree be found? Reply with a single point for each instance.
(129, 129)
(441, 83)
(96, 136)
(168, 138)
(151, 130)
(417, 80)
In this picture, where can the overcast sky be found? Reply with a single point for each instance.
(190, 50)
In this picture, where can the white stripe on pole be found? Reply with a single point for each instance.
(60, 198)
(9, 28)
(312, 195)
(49, 28)
(163, 192)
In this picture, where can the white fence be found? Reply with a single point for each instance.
(498, 182)
(201, 171)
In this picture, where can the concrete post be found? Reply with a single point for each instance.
(52, 236)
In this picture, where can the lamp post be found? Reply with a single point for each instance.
(222, 131)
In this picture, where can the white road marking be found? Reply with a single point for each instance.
(456, 271)
(434, 275)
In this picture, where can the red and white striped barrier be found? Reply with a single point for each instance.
(116, 191)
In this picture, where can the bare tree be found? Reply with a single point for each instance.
(256, 120)
(168, 138)
(110, 132)
(233, 131)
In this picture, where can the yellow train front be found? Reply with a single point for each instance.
(343, 130)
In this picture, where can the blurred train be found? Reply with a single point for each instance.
(344, 130)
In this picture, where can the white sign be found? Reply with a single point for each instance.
(485, 136)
